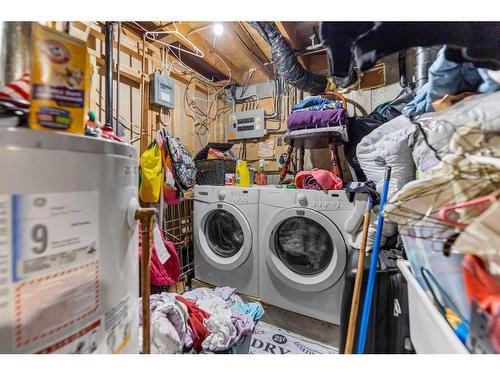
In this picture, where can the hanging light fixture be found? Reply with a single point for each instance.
(218, 28)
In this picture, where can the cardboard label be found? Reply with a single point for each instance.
(60, 81)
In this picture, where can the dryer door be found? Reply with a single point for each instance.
(224, 236)
(305, 249)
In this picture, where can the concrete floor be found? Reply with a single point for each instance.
(314, 329)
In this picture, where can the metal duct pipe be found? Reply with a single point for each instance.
(286, 62)
(424, 57)
(108, 46)
(15, 50)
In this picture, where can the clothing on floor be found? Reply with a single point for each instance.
(226, 293)
(169, 329)
(196, 321)
(253, 309)
(243, 323)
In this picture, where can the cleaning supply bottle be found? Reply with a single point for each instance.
(261, 176)
(242, 175)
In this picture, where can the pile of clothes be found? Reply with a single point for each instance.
(318, 179)
(316, 112)
(202, 320)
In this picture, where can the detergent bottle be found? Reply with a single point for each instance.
(242, 175)
(261, 176)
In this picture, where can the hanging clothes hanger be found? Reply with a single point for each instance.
(474, 207)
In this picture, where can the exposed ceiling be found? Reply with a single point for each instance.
(237, 50)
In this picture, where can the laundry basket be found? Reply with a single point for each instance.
(429, 331)
(423, 251)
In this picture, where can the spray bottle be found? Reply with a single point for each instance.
(261, 176)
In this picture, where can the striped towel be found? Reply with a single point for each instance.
(17, 90)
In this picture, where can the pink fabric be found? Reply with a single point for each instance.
(299, 178)
(162, 274)
(318, 179)
(326, 179)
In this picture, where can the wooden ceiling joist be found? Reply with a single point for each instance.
(209, 53)
(241, 38)
(290, 34)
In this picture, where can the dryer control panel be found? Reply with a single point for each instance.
(237, 195)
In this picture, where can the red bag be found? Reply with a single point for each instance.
(163, 274)
(485, 290)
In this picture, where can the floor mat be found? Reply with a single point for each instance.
(269, 339)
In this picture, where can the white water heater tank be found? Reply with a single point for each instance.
(69, 278)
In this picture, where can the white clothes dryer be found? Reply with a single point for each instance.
(303, 252)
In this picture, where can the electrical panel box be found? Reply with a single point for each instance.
(246, 125)
(161, 90)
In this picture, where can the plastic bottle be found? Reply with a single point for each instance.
(242, 175)
(261, 176)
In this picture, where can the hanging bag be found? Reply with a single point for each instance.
(151, 173)
(182, 163)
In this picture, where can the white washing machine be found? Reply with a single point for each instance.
(226, 230)
(302, 250)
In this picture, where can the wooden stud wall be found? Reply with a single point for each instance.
(138, 60)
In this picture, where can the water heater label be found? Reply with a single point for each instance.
(83, 341)
(5, 256)
(48, 304)
(118, 326)
(53, 231)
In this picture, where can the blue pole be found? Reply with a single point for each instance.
(365, 317)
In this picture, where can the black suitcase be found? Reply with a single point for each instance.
(389, 326)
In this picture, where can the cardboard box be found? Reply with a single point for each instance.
(60, 76)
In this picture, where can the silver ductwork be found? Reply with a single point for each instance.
(15, 58)
(424, 57)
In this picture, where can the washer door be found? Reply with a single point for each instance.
(224, 236)
(305, 249)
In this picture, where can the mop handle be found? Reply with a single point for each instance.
(373, 266)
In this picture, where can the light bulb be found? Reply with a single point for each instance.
(218, 29)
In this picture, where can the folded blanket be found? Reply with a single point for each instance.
(316, 119)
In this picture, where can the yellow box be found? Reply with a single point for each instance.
(60, 79)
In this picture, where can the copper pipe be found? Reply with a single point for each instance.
(146, 218)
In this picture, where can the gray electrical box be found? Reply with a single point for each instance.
(246, 125)
(161, 90)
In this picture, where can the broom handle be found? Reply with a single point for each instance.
(367, 306)
(358, 281)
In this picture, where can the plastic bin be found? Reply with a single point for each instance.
(429, 331)
(422, 251)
